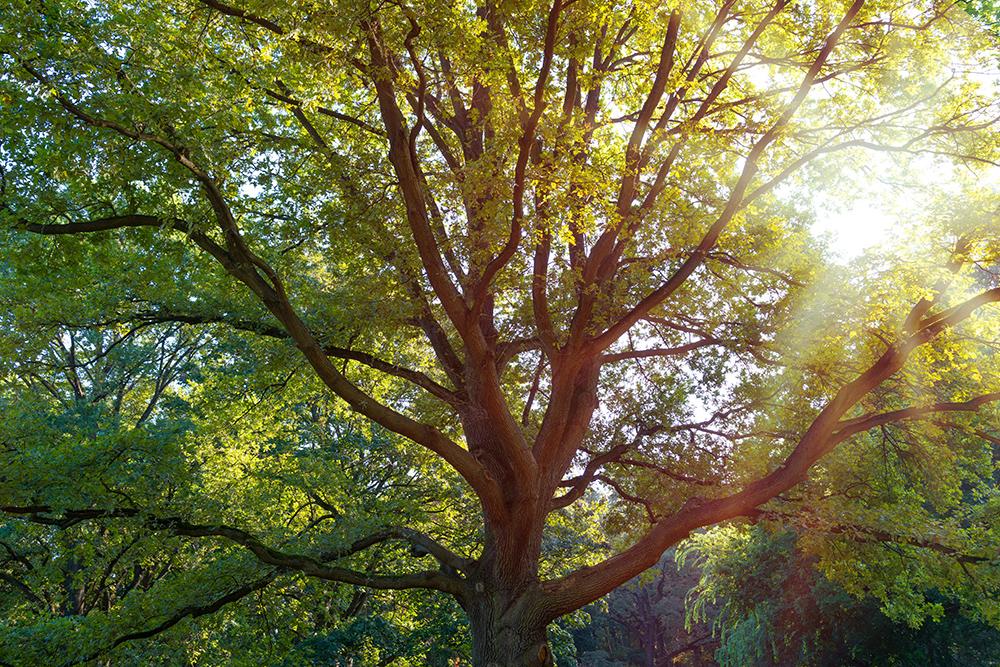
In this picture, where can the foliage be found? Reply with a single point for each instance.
(305, 302)
(644, 622)
(174, 425)
(771, 605)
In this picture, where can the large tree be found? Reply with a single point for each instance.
(562, 247)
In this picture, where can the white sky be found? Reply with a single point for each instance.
(881, 202)
(854, 229)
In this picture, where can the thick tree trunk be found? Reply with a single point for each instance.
(508, 634)
(503, 600)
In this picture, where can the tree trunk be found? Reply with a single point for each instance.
(508, 634)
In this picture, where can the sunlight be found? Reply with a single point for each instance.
(879, 200)
(850, 231)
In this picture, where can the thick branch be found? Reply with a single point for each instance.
(314, 566)
(820, 438)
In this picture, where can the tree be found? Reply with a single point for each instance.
(562, 248)
(146, 417)
(771, 606)
(645, 622)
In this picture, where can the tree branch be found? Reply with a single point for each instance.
(866, 422)
(314, 566)
(416, 377)
(590, 583)
(188, 611)
(277, 303)
(735, 202)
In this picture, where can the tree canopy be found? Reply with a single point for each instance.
(488, 303)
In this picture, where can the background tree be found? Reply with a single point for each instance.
(770, 605)
(646, 622)
(150, 418)
(556, 247)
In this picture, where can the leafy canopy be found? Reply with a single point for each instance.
(527, 291)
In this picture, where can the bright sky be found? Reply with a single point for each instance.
(873, 208)
(865, 223)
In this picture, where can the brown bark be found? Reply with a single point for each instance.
(507, 630)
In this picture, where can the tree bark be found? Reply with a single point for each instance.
(507, 632)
